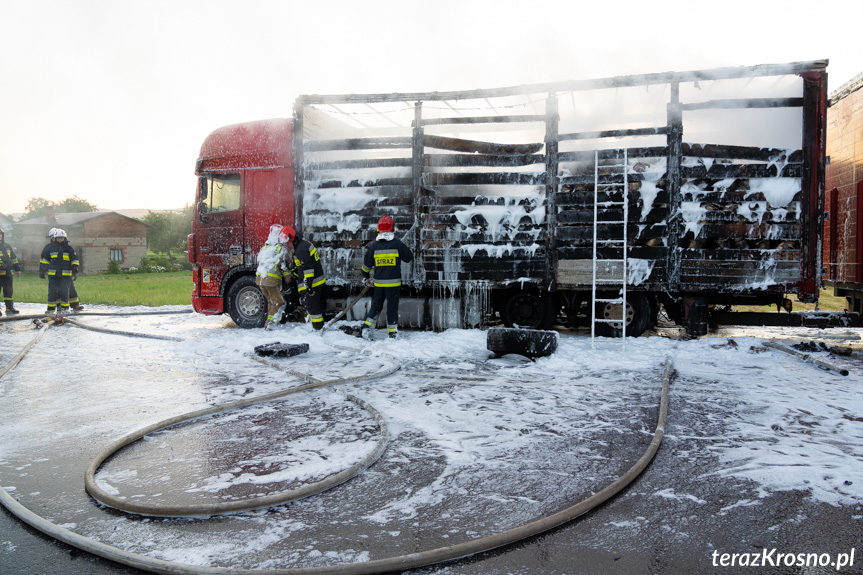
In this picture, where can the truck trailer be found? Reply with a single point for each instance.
(582, 202)
(843, 226)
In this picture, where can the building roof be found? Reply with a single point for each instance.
(71, 219)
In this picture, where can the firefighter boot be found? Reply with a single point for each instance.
(76, 307)
(394, 334)
(10, 308)
(368, 332)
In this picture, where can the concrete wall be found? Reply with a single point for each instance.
(111, 231)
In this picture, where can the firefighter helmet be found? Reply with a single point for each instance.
(58, 233)
(287, 235)
(386, 224)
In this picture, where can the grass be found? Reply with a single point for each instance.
(826, 302)
(175, 288)
(154, 289)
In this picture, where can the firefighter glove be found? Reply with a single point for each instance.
(368, 282)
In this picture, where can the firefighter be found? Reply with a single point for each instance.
(8, 265)
(385, 255)
(274, 263)
(60, 262)
(310, 279)
(74, 302)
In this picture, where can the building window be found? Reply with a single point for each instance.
(116, 254)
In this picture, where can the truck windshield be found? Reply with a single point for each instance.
(221, 192)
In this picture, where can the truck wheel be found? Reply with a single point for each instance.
(640, 313)
(528, 309)
(247, 306)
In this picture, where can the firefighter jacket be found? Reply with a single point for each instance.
(386, 255)
(58, 259)
(8, 260)
(308, 266)
(274, 261)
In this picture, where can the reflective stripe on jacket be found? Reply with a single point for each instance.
(273, 261)
(386, 257)
(309, 267)
(58, 259)
(8, 259)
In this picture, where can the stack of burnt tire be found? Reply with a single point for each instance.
(527, 342)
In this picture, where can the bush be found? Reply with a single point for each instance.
(113, 267)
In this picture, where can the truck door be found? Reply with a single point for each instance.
(219, 234)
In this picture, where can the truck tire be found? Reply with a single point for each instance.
(528, 309)
(640, 315)
(246, 305)
(526, 342)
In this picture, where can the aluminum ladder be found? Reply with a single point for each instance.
(610, 273)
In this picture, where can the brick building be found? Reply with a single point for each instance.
(98, 237)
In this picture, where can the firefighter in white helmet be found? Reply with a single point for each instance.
(60, 263)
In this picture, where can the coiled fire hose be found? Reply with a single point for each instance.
(398, 563)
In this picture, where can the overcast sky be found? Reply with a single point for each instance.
(111, 100)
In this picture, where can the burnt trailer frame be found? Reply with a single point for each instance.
(526, 255)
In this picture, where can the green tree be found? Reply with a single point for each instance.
(168, 230)
(74, 204)
(35, 207)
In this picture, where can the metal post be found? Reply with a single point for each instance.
(674, 139)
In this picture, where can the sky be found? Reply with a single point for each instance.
(110, 101)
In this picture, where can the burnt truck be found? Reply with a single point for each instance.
(843, 226)
(567, 203)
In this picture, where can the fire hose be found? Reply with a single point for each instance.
(398, 563)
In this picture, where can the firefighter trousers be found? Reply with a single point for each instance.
(58, 292)
(272, 290)
(391, 294)
(6, 288)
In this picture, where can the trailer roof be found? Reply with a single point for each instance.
(846, 89)
(577, 85)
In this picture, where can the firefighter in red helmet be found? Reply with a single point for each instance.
(385, 255)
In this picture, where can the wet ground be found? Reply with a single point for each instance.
(475, 447)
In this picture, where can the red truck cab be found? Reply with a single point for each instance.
(245, 184)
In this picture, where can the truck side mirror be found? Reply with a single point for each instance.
(202, 211)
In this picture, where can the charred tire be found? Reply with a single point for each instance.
(247, 306)
(640, 314)
(526, 342)
(528, 309)
(279, 349)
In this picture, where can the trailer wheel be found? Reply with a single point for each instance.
(639, 313)
(247, 306)
(528, 309)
